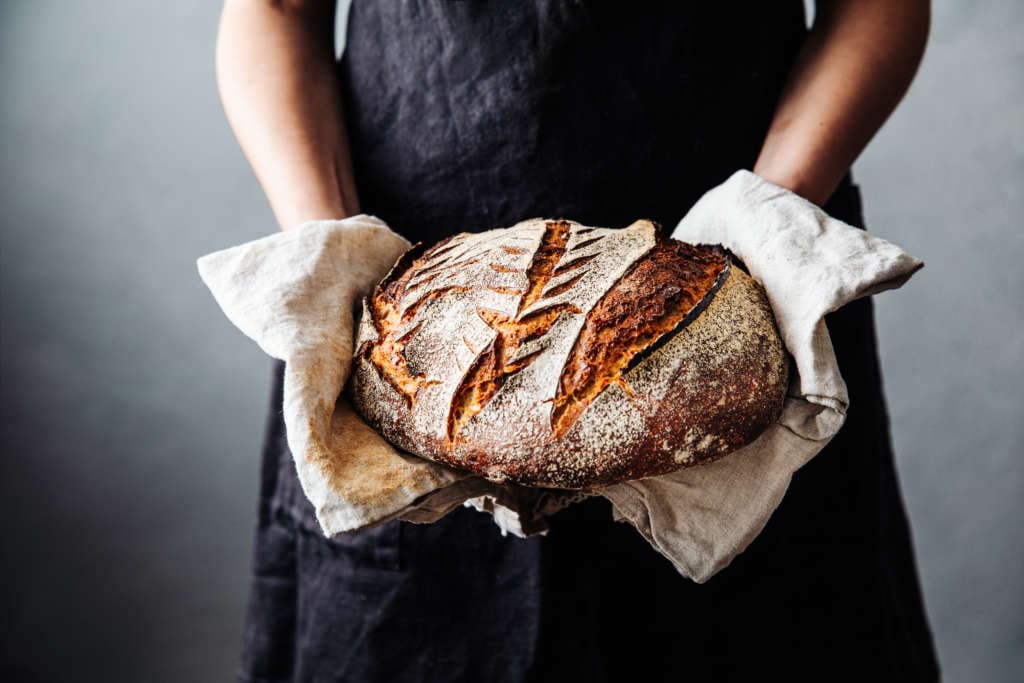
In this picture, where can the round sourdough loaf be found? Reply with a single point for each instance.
(555, 354)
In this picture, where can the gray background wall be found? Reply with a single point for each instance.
(133, 411)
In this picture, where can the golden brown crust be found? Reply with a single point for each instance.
(499, 360)
(587, 356)
(649, 301)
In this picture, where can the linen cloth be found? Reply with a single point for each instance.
(296, 294)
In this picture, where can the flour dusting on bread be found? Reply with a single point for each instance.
(545, 354)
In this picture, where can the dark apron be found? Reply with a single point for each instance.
(467, 116)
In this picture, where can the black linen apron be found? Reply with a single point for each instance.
(468, 116)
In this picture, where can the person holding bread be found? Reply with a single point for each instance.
(444, 117)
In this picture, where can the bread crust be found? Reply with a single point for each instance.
(560, 355)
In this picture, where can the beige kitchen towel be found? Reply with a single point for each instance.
(809, 264)
(295, 293)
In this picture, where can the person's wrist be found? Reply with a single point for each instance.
(298, 214)
(815, 187)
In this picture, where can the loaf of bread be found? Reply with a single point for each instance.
(559, 355)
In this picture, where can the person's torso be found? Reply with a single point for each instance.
(468, 116)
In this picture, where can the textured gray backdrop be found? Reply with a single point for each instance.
(133, 411)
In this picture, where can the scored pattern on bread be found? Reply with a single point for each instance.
(520, 284)
(650, 301)
(548, 353)
(512, 350)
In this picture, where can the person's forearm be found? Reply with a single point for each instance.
(857, 63)
(275, 72)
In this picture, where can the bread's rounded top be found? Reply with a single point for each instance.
(488, 350)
